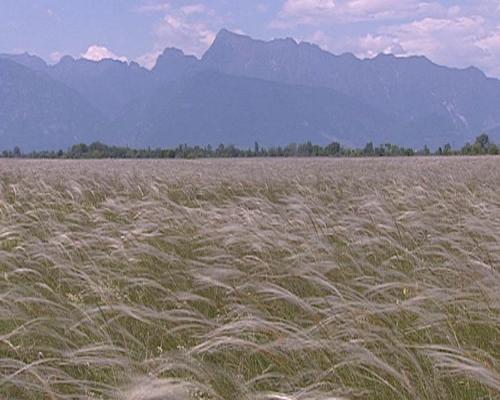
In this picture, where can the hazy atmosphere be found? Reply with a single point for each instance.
(452, 32)
(220, 200)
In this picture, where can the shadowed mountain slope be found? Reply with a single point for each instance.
(211, 107)
(37, 112)
(245, 90)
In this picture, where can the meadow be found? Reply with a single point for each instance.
(275, 279)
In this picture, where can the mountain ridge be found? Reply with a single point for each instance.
(36, 111)
(418, 101)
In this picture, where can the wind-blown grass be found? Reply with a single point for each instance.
(262, 279)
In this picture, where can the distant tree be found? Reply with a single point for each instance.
(368, 150)
(477, 149)
(291, 150)
(78, 150)
(493, 149)
(333, 149)
(219, 152)
(483, 141)
(305, 149)
(467, 149)
(96, 150)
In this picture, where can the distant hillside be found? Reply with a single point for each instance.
(211, 107)
(431, 103)
(36, 112)
(243, 90)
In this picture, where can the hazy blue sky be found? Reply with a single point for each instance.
(456, 33)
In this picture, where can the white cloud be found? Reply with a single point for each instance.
(367, 46)
(98, 53)
(56, 56)
(148, 60)
(321, 39)
(459, 42)
(262, 8)
(457, 36)
(189, 28)
(370, 46)
(153, 7)
(314, 12)
(491, 43)
(192, 36)
(194, 9)
(451, 41)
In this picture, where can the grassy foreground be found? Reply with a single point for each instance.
(251, 279)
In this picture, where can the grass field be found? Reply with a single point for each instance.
(259, 279)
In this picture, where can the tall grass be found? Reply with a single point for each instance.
(262, 279)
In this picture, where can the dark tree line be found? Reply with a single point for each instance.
(98, 150)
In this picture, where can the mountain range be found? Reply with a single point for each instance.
(241, 91)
